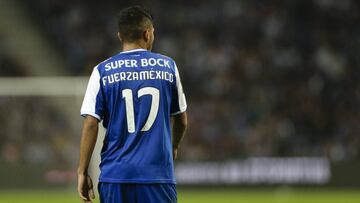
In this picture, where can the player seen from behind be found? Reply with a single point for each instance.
(135, 93)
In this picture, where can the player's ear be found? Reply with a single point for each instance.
(147, 35)
(119, 36)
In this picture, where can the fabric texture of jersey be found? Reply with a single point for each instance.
(137, 193)
(134, 93)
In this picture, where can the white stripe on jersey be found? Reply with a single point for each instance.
(181, 95)
(89, 103)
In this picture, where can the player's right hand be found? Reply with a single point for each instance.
(85, 188)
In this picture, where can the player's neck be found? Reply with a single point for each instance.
(132, 46)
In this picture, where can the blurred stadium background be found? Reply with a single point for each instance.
(273, 89)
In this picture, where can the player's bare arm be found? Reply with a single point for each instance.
(87, 144)
(178, 131)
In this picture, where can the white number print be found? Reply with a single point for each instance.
(129, 103)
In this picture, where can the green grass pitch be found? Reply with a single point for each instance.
(282, 195)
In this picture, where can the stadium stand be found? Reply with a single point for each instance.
(262, 78)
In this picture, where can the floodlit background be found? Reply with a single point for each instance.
(273, 90)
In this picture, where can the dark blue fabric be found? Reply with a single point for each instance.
(139, 156)
(137, 193)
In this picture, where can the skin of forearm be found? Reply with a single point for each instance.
(178, 135)
(178, 131)
(87, 143)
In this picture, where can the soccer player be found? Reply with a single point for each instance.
(139, 97)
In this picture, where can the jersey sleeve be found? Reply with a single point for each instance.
(93, 103)
(178, 104)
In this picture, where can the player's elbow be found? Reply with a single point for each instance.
(184, 122)
(181, 122)
(91, 123)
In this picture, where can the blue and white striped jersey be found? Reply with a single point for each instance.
(135, 93)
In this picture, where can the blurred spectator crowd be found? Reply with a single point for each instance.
(34, 132)
(262, 77)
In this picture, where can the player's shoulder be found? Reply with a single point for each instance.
(159, 55)
(101, 66)
(162, 56)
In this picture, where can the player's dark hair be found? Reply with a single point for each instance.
(132, 22)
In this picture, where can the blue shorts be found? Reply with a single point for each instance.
(137, 193)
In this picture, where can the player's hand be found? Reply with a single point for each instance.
(85, 188)
(175, 151)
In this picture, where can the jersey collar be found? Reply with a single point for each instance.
(132, 50)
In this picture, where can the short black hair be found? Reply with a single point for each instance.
(132, 22)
